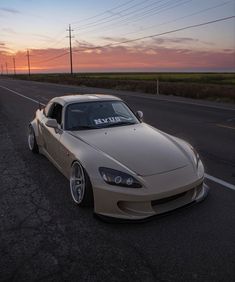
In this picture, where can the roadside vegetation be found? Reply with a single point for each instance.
(210, 86)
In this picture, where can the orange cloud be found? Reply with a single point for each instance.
(136, 58)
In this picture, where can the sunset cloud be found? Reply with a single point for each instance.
(139, 57)
(4, 47)
(167, 40)
(114, 39)
(83, 44)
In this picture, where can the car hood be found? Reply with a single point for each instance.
(140, 147)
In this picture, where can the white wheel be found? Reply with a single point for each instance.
(80, 186)
(77, 183)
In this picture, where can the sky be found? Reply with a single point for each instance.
(102, 27)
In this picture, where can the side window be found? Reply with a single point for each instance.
(56, 112)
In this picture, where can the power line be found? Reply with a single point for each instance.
(133, 18)
(159, 34)
(103, 13)
(154, 12)
(180, 29)
(50, 46)
(52, 58)
(58, 35)
(122, 17)
(42, 52)
(183, 17)
(119, 14)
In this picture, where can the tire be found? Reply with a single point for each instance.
(80, 186)
(32, 142)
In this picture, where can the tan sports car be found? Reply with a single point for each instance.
(124, 167)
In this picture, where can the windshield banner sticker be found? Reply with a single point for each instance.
(107, 120)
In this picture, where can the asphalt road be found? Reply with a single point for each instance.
(45, 237)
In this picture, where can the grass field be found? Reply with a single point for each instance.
(210, 86)
(217, 78)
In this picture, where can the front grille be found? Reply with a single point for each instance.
(168, 199)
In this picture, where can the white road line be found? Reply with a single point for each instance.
(220, 181)
(210, 177)
(226, 126)
(21, 95)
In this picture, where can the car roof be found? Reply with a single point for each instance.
(76, 98)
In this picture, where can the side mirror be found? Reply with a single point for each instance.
(52, 123)
(140, 115)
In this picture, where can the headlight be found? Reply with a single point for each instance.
(118, 178)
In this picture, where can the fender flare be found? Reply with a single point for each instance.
(35, 128)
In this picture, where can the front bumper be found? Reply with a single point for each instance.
(117, 205)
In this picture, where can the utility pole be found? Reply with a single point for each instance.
(14, 65)
(28, 61)
(70, 49)
(2, 69)
(6, 68)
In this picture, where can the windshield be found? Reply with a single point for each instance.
(93, 115)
